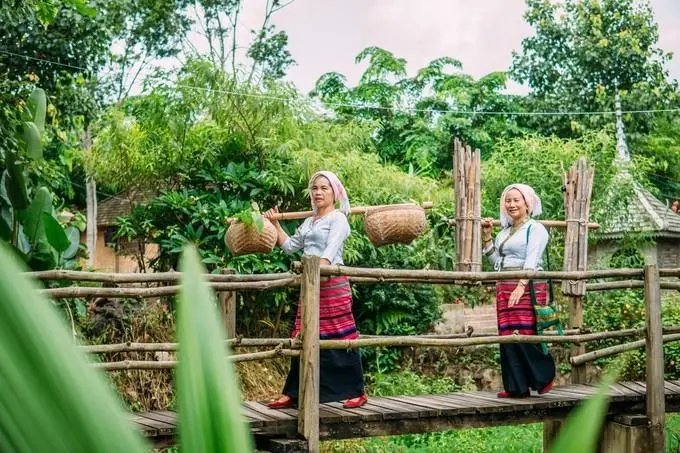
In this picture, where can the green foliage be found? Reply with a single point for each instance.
(541, 163)
(658, 155)
(518, 438)
(50, 384)
(413, 118)
(208, 395)
(252, 217)
(408, 383)
(83, 414)
(27, 220)
(582, 53)
(581, 429)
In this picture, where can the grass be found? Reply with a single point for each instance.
(510, 439)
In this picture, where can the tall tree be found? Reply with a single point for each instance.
(415, 117)
(583, 51)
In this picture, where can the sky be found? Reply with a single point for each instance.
(326, 35)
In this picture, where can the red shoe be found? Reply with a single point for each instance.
(282, 403)
(355, 402)
(505, 394)
(548, 387)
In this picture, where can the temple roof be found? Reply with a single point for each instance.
(644, 214)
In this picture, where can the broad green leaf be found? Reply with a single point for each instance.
(14, 182)
(51, 399)
(258, 221)
(5, 225)
(208, 394)
(83, 7)
(55, 233)
(581, 430)
(3, 191)
(41, 255)
(32, 141)
(37, 103)
(33, 220)
(74, 242)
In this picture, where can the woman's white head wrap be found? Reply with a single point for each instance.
(530, 197)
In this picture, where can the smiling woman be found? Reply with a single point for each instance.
(323, 235)
(519, 245)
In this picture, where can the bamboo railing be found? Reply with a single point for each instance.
(309, 273)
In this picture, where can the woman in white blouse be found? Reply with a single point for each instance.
(519, 246)
(323, 235)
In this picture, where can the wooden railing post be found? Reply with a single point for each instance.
(656, 405)
(228, 308)
(308, 413)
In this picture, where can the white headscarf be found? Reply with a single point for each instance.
(530, 197)
(339, 192)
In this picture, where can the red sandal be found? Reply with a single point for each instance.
(355, 402)
(548, 387)
(282, 403)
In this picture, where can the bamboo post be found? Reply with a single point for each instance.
(308, 412)
(228, 307)
(467, 190)
(578, 182)
(656, 410)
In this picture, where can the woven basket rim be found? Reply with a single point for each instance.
(401, 207)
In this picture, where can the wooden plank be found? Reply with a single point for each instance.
(257, 420)
(625, 391)
(265, 413)
(619, 393)
(485, 396)
(407, 410)
(170, 419)
(161, 427)
(633, 388)
(148, 431)
(640, 388)
(338, 412)
(391, 410)
(359, 412)
(418, 401)
(466, 405)
(673, 387)
(575, 389)
(616, 389)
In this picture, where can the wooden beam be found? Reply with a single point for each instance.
(88, 291)
(451, 276)
(619, 348)
(308, 418)
(228, 306)
(656, 410)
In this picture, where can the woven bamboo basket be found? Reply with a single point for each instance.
(242, 239)
(394, 224)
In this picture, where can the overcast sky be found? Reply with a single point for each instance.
(326, 35)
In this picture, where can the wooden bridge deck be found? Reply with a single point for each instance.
(425, 413)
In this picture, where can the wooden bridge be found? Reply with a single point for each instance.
(383, 416)
(637, 409)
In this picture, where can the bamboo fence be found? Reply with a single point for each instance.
(467, 192)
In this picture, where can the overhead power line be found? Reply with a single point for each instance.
(384, 108)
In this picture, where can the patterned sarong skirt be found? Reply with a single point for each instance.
(341, 375)
(523, 366)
